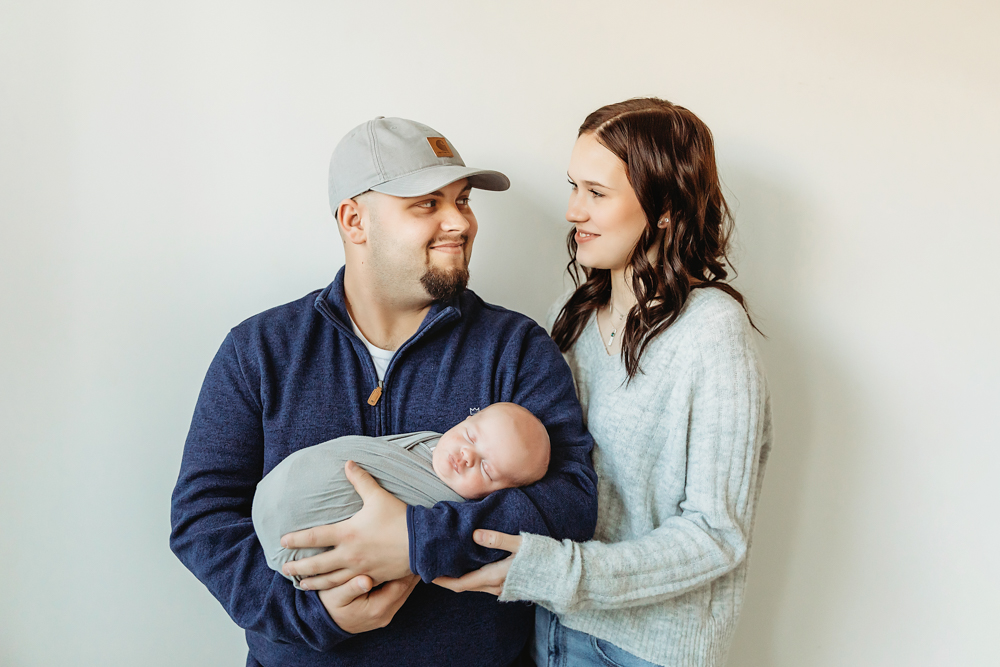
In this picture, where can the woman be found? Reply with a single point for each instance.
(671, 383)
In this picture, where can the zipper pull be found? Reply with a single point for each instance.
(375, 395)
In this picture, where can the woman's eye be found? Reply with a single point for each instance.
(596, 193)
(572, 184)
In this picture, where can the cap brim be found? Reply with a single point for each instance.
(434, 178)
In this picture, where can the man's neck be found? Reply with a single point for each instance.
(383, 317)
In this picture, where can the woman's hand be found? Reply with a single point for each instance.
(489, 578)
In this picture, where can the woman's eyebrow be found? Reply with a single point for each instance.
(590, 183)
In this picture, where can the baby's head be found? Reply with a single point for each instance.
(499, 447)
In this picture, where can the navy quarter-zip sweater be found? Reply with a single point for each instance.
(297, 375)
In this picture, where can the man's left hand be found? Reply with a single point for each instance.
(373, 542)
(489, 578)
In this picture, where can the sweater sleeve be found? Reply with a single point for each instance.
(563, 504)
(728, 439)
(212, 531)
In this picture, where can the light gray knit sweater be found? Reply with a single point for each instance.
(680, 455)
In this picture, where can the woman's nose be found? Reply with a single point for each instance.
(574, 212)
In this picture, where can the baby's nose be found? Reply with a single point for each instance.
(468, 457)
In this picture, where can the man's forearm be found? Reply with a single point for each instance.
(562, 506)
(212, 532)
(228, 560)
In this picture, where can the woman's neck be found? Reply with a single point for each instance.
(622, 297)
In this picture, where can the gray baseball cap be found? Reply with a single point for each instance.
(402, 158)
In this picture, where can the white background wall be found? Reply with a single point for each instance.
(162, 177)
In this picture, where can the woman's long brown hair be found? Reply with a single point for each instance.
(669, 159)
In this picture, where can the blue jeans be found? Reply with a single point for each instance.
(556, 645)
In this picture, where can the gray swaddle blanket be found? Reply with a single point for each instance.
(309, 488)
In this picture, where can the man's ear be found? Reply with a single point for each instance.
(352, 227)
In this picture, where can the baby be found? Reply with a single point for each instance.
(499, 447)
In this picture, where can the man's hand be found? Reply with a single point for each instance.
(354, 609)
(373, 542)
(489, 578)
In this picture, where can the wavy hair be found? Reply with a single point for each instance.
(669, 159)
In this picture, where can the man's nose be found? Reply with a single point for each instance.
(454, 221)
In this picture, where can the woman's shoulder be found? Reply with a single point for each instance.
(709, 308)
(555, 308)
(712, 323)
(718, 334)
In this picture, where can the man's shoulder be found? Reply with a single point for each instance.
(493, 316)
(286, 317)
(521, 342)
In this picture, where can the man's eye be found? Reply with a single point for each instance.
(463, 201)
(427, 204)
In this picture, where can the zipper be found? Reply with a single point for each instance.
(375, 395)
(382, 415)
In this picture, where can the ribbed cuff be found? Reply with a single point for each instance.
(412, 540)
(316, 614)
(533, 571)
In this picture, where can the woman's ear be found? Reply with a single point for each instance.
(664, 220)
(351, 222)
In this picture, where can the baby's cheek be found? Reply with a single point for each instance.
(477, 490)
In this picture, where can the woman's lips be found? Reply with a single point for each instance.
(583, 237)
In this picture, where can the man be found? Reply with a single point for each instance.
(395, 344)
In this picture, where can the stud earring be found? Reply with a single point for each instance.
(663, 223)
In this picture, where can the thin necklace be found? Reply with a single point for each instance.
(614, 330)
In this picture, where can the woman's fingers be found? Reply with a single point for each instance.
(497, 540)
(487, 579)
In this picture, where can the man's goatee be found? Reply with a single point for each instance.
(445, 285)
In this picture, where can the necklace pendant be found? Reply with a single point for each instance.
(611, 338)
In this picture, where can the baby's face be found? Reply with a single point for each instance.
(482, 454)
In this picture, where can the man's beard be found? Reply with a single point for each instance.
(445, 285)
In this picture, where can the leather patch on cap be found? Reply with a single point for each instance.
(440, 147)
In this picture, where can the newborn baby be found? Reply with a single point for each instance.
(499, 447)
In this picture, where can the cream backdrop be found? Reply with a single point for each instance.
(162, 177)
